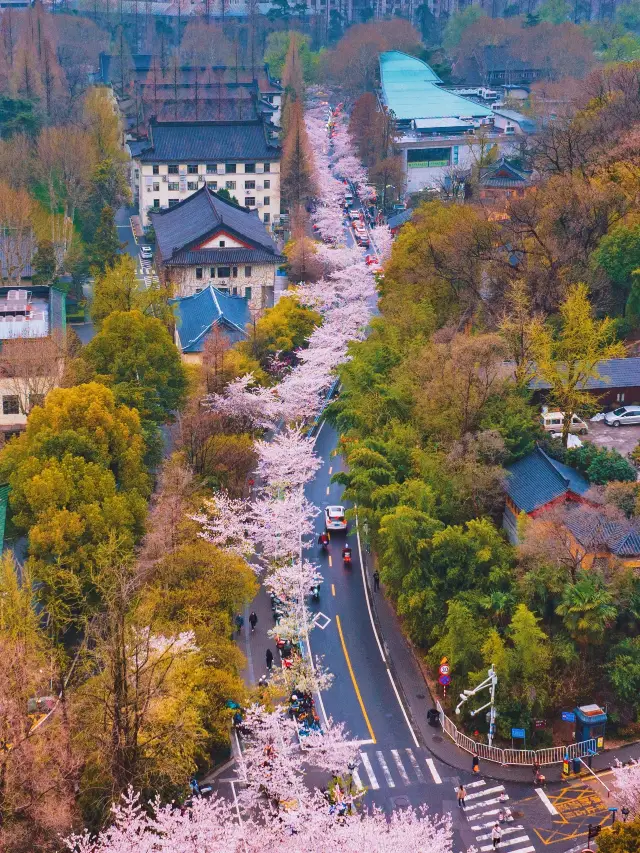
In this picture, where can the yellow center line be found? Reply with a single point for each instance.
(330, 470)
(353, 679)
(330, 563)
(333, 590)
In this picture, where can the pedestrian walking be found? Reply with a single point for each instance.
(475, 766)
(461, 794)
(269, 659)
(239, 622)
(496, 835)
(376, 580)
(253, 620)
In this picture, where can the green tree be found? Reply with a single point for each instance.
(530, 656)
(44, 263)
(283, 328)
(275, 54)
(458, 23)
(623, 670)
(461, 641)
(118, 289)
(600, 465)
(618, 254)
(135, 356)
(555, 11)
(587, 610)
(620, 838)
(567, 361)
(105, 246)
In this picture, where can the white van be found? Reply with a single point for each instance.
(552, 422)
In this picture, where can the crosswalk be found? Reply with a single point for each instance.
(483, 805)
(399, 767)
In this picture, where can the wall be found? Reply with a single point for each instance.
(261, 280)
(9, 422)
(157, 186)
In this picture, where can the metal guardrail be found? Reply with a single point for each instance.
(520, 757)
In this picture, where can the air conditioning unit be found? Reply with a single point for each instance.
(260, 186)
(260, 167)
(165, 178)
(260, 204)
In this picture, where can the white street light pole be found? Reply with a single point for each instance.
(491, 682)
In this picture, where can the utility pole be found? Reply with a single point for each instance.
(490, 682)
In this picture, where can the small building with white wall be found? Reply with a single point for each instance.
(436, 129)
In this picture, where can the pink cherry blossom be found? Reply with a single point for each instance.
(288, 460)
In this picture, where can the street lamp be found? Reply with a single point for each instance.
(491, 682)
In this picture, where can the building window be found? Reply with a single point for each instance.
(266, 201)
(173, 202)
(266, 217)
(192, 169)
(247, 272)
(620, 398)
(156, 188)
(223, 289)
(156, 170)
(213, 185)
(212, 272)
(198, 272)
(250, 201)
(156, 203)
(224, 272)
(230, 185)
(234, 272)
(222, 243)
(250, 168)
(212, 168)
(247, 293)
(267, 167)
(267, 185)
(230, 168)
(172, 170)
(192, 185)
(249, 185)
(10, 405)
(428, 158)
(174, 186)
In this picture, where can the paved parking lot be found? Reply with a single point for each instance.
(622, 439)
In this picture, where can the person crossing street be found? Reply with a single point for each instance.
(461, 794)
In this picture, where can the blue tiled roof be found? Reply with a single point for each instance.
(614, 373)
(202, 142)
(196, 315)
(400, 218)
(186, 224)
(538, 479)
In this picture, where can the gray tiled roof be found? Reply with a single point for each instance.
(201, 142)
(593, 529)
(537, 479)
(186, 224)
(614, 373)
(224, 256)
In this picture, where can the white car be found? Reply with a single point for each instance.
(334, 518)
(146, 251)
(625, 415)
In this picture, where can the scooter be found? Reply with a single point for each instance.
(346, 556)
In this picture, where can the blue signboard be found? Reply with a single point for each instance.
(521, 733)
(568, 717)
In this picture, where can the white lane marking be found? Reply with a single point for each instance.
(369, 769)
(434, 772)
(489, 823)
(400, 766)
(476, 784)
(356, 778)
(550, 807)
(508, 831)
(508, 844)
(484, 793)
(375, 634)
(415, 765)
(487, 803)
(385, 769)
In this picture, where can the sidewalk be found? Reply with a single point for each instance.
(402, 661)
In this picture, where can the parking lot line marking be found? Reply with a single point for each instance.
(434, 772)
(333, 590)
(549, 805)
(353, 679)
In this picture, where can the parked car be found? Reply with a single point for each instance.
(334, 518)
(623, 416)
(552, 422)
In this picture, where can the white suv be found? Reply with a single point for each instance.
(334, 518)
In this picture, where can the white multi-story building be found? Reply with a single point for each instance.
(184, 157)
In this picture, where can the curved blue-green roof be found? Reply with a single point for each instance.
(410, 88)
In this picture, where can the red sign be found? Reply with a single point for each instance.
(444, 669)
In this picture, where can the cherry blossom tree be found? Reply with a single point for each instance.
(383, 240)
(243, 398)
(626, 781)
(226, 522)
(288, 460)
